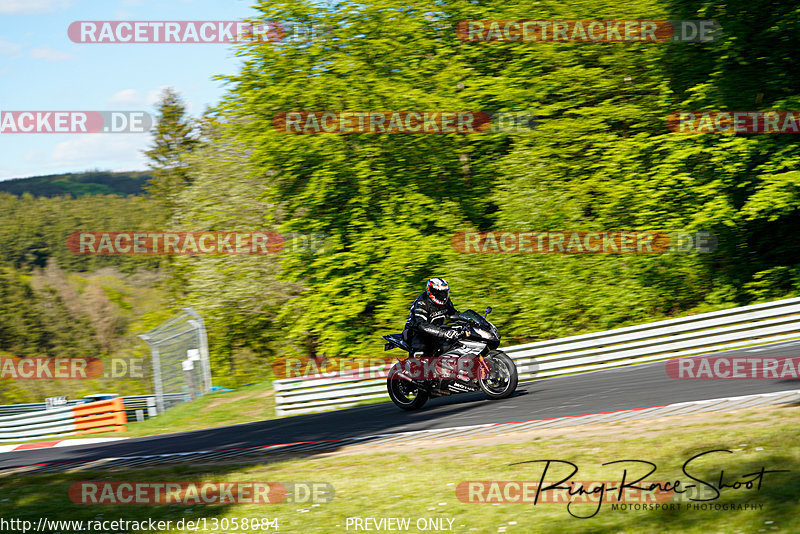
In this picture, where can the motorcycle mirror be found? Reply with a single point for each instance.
(488, 311)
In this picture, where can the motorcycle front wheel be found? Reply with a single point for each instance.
(502, 379)
(403, 393)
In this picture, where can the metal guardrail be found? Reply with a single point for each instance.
(133, 404)
(89, 418)
(686, 336)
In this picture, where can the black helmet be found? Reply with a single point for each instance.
(438, 291)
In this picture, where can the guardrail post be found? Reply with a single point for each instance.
(151, 407)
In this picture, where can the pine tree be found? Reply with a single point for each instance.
(174, 139)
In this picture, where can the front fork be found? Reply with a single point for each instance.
(484, 368)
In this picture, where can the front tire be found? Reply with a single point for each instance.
(503, 376)
(403, 393)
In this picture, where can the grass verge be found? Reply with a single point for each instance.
(244, 405)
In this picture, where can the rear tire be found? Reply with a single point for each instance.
(403, 393)
(503, 376)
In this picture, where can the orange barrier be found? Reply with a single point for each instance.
(98, 416)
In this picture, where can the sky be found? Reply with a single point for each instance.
(43, 70)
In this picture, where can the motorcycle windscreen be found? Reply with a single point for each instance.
(473, 317)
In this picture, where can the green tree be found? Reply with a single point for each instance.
(602, 158)
(239, 296)
(173, 139)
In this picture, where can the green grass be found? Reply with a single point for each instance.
(244, 405)
(419, 480)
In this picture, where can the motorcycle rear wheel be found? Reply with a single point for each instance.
(403, 393)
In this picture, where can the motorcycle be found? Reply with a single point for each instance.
(471, 362)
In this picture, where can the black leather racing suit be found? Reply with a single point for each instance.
(423, 332)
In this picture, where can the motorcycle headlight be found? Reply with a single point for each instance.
(482, 333)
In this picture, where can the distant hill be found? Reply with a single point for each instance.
(79, 184)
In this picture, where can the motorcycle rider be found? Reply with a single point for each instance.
(425, 329)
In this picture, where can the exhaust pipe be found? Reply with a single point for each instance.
(435, 393)
(407, 378)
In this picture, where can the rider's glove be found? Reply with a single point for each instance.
(451, 333)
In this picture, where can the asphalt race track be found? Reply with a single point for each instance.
(601, 391)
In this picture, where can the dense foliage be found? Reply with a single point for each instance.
(79, 184)
(602, 158)
(56, 303)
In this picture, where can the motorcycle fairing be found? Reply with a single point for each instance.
(395, 340)
(465, 348)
